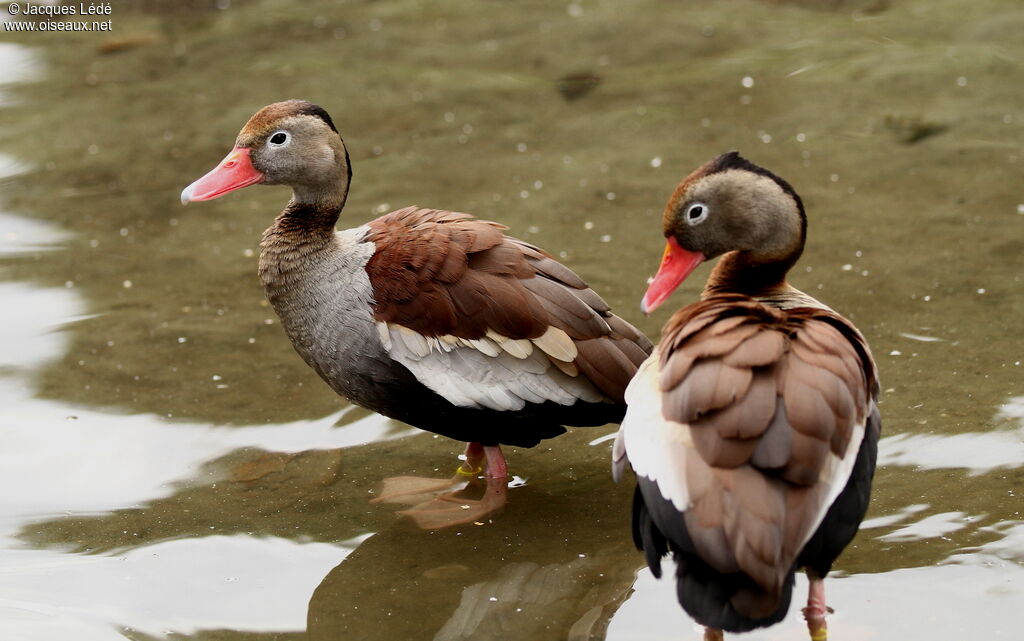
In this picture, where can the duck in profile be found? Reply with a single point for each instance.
(753, 427)
(429, 317)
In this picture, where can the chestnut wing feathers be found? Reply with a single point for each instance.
(766, 388)
(422, 278)
(487, 320)
(762, 412)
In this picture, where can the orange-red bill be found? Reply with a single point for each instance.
(676, 264)
(234, 172)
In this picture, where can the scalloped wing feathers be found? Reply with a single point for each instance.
(748, 419)
(486, 320)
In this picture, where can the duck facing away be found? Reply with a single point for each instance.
(429, 317)
(753, 427)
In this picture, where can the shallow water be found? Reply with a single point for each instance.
(172, 468)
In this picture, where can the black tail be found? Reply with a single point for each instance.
(712, 598)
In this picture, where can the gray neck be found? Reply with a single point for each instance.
(318, 285)
(316, 198)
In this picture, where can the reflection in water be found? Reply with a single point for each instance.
(977, 451)
(60, 459)
(892, 519)
(213, 582)
(108, 461)
(17, 64)
(976, 597)
(1009, 545)
(23, 235)
(930, 527)
(29, 338)
(483, 582)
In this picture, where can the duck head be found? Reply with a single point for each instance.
(728, 205)
(290, 143)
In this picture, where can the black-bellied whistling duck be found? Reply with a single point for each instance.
(430, 317)
(753, 427)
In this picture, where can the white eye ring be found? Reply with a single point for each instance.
(696, 214)
(279, 139)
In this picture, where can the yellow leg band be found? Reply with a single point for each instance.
(464, 472)
(820, 635)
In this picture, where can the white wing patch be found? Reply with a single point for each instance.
(652, 442)
(835, 474)
(494, 371)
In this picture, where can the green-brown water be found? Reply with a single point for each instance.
(171, 469)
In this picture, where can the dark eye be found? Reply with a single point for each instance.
(696, 213)
(279, 138)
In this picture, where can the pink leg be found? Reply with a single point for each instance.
(496, 466)
(816, 609)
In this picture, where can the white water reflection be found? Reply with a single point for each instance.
(17, 233)
(11, 166)
(1013, 409)
(109, 461)
(1009, 545)
(20, 235)
(978, 452)
(30, 338)
(17, 64)
(930, 527)
(971, 597)
(216, 582)
(893, 519)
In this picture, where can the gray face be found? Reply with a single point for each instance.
(299, 151)
(736, 210)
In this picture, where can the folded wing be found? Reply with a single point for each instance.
(489, 321)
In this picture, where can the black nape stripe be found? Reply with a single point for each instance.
(309, 109)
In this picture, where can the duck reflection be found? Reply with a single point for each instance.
(549, 567)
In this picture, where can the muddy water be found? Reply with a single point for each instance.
(172, 469)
